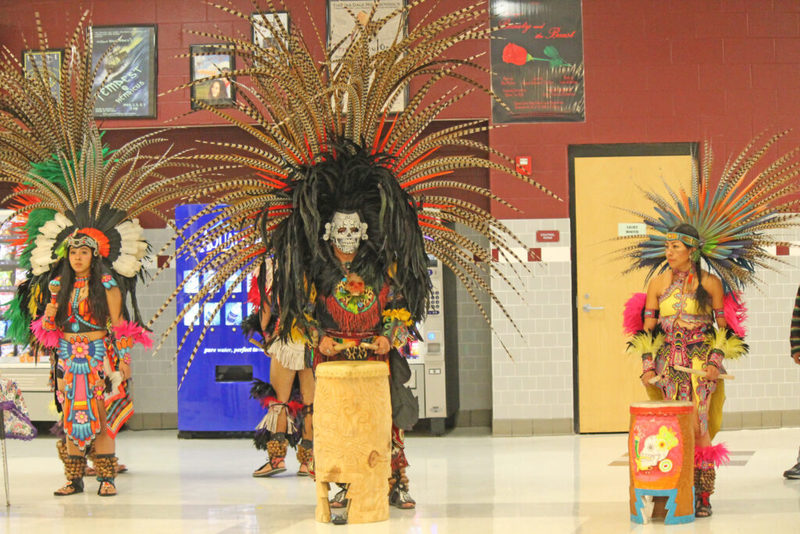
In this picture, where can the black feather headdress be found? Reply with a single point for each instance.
(325, 136)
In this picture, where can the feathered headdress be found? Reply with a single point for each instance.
(67, 182)
(324, 138)
(733, 218)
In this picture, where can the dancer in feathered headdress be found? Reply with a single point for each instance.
(726, 228)
(347, 199)
(84, 246)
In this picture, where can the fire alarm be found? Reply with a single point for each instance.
(523, 165)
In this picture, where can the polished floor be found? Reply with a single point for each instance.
(465, 482)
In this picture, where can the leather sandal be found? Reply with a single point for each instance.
(340, 516)
(107, 488)
(401, 498)
(73, 487)
(271, 468)
(339, 499)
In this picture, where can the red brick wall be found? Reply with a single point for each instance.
(656, 71)
(668, 70)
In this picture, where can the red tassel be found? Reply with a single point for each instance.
(294, 407)
(266, 402)
(348, 321)
(254, 295)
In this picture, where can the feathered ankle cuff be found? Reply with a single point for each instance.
(711, 456)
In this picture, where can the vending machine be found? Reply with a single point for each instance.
(214, 396)
(434, 359)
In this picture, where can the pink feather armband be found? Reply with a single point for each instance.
(134, 332)
(632, 320)
(46, 337)
(735, 313)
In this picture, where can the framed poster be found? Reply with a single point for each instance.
(537, 61)
(33, 60)
(344, 14)
(263, 36)
(127, 75)
(208, 61)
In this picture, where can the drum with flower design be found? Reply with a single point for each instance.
(661, 452)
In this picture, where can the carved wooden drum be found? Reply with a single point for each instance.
(352, 437)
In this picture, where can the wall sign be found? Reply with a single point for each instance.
(628, 229)
(547, 236)
(537, 61)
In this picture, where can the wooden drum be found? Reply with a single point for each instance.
(353, 437)
(661, 452)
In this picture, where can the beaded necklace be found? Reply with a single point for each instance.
(81, 306)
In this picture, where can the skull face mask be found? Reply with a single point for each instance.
(346, 231)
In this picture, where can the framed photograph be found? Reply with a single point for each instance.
(127, 75)
(33, 60)
(208, 61)
(261, 23)
(343, 15)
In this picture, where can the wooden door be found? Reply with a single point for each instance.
(604, 178)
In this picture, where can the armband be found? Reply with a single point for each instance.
(648, 313)
(126, 335)
(715, 358)
(719, 313)
(47, 337)
(108, 281)
(648, 363)
(645, 344)
(727, 344)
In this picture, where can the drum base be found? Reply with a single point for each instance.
(671, 518)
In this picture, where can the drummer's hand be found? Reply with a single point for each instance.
(327, 346)
(796, 358)
(646, 378)
(382, 344)
(712, 372)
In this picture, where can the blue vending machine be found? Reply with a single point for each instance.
(214, 397)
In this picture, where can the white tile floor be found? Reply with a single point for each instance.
(464, 482)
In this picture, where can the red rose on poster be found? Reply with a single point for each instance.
(515, 54)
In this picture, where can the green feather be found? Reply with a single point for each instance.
(51, 171)
(19, 322)
(36, 219)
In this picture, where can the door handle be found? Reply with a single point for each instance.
(588, 307)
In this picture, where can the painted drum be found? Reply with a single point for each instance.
(661, 453)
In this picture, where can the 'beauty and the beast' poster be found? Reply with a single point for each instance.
(537, 61)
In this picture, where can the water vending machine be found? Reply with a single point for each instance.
(214, 396)
(434, 360)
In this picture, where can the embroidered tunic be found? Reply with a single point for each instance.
(685, 346)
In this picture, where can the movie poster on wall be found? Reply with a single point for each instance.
(537, 61)
(344, 14)
(127, 72)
